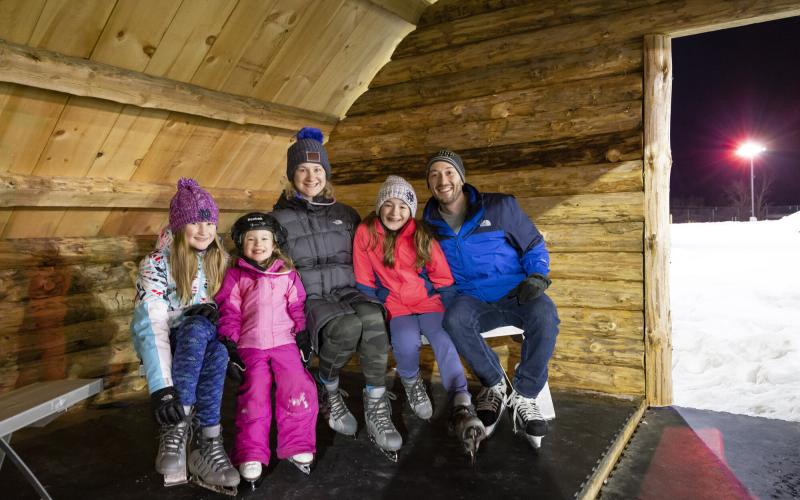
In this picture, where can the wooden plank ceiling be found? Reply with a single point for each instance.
(316, 55)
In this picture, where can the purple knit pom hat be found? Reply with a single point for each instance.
(190, 204)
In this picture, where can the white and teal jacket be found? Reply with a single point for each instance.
(157, 310)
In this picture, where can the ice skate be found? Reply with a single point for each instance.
(209, 465)
(417, 397)
(171, 458)
(333, 409)
(491, 403)
(381, 430)
(468, 428)
(251, 473)
(303, 461)
(528, 417)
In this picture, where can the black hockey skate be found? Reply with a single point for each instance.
(468, 428)
(491, 403)
(527, 415)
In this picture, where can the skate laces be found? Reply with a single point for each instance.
(461, 411)
(416, 392)
(213, 453)
(336, 404)
(173, 437)
(527, 409)
(379, 411)
(491, 398)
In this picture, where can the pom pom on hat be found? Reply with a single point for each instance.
(191, 204)
(311, 133)
(307, 149)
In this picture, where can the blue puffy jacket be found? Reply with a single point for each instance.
(497, 247)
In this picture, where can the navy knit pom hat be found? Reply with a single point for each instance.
(307, 149)
(191, 204)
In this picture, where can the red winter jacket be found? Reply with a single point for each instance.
(404, 289)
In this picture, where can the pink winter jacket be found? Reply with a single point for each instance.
(261, 309)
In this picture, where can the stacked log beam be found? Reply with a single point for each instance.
(66, 309)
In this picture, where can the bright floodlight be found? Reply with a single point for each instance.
(750, 149)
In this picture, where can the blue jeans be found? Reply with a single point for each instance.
(406, 341)
(466, 317)
(199, 362)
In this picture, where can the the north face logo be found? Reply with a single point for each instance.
(313, 156)
(486, 223)
(204, 213)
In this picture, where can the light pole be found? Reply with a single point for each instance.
(750, 150)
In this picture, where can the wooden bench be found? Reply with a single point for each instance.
(544, 400)
(37, 405)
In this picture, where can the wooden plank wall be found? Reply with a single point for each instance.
(314, 55)
(543, 99)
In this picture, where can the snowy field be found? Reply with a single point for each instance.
(735, 292)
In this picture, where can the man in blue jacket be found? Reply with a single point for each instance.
(500, 266)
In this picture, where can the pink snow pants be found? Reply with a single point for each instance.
(295, 405)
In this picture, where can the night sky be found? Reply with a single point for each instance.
(728, 85)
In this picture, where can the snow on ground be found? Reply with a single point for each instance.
(735, 293)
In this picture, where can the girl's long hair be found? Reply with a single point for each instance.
(183, 265)
(422, 241)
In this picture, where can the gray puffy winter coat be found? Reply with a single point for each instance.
(320, 242)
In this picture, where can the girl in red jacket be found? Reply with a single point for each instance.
(261, 312)
(397, 260)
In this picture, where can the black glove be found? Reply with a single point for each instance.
(532, 288)
(168, 410)
(207, 310)
(236, 366)
(303, 339)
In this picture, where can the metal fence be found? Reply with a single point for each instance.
(719, 214)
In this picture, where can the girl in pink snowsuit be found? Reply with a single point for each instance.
(261, 312)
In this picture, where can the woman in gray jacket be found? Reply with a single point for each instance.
(340, 319)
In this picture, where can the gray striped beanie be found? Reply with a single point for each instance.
(450, 157)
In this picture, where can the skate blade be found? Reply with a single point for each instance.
(472, 441)
(304, 468)
(230, 491)
(390, 454)
(175, 479)
(253, 483)
(534, 441)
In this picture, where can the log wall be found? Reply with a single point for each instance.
(65, 311)
(543, 100)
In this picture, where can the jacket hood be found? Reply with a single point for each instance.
(276, 268)
(164, 240)
(300, 203)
